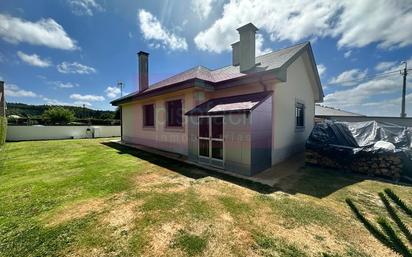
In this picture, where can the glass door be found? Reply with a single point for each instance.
(211, 137)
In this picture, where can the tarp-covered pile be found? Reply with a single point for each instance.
(370, 147)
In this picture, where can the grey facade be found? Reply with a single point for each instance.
(247, 140)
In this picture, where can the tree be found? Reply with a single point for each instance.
(58, 115)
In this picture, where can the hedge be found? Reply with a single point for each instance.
(3, 129)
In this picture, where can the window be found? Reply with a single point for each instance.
(148, 115)
(300, 115)
(174, 113)
(211, 137)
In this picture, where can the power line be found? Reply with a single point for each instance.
(370, 77)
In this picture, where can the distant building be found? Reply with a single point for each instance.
(329, 113)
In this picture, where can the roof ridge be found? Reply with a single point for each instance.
(272, 52)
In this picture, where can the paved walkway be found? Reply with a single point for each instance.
(270, 177)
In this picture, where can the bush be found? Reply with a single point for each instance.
(3, 130)
(58, 116)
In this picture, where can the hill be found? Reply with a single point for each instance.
(36, 111)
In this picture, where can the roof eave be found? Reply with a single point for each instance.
(163, 90)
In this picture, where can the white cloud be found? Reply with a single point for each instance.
(81, 103)
(60, 84)
(373, 97)
(360, 25)
(84, 7)
(152, 29)
(14, 91)
(46, 32)
(112, 92)
(88, 98)
(75, 67)
(33, 60)
(346, 78)
(259, 46)
(384, 66)
(54, 102)
(58, 102)
(321, 69)
(202, 7)
(347, 54)
(353, 23)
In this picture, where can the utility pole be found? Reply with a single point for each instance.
(121, 85)
(404, 73)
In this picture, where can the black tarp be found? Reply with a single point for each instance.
(342, 141)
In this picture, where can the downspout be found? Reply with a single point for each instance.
(265, 86)
(121, 123)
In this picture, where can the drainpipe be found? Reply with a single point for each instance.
(265, 86)
(121, 123)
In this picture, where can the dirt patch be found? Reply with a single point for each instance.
(162, 182)
(161, 240)
(93, 252)
(76, 210)
(121, 216)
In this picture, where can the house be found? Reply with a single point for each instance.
(242, 118)
(329, 113)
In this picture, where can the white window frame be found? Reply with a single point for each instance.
(210, 139)
(297, 104)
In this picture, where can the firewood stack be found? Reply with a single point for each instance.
(382, 164)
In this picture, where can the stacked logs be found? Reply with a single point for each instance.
(381, 164)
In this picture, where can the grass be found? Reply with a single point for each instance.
(92, 198)
(190, 243)
(271, 246)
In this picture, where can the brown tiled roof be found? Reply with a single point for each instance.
(271, 61)
(231, 104)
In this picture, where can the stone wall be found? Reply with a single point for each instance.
(384, 164)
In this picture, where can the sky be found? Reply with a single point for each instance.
(74, 52)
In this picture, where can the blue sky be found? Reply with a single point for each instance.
(75, 51)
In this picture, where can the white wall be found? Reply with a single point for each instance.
(22, 133)
(160, 137)
(288, 140)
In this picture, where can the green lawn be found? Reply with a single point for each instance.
(93, 198)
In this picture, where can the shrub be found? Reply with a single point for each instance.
(3, 130)
(369, 226)
(58, 115)
(397, 243)
(395, 217)
(398, 201)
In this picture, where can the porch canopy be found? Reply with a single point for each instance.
(231, 104)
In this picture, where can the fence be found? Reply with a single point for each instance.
(3, 130)
(24, 133)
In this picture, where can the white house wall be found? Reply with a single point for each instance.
(288, 140)
(160, 137)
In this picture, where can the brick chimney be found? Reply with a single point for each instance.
(247, 47)
(143, 62)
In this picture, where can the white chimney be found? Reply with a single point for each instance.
(235, 53)
(143, 60)
(247, 46)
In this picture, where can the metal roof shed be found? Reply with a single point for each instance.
(232, 133)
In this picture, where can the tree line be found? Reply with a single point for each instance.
(58, 115)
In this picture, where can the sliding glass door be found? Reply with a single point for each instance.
(211, 137)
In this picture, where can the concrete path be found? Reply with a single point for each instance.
(270, 177)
